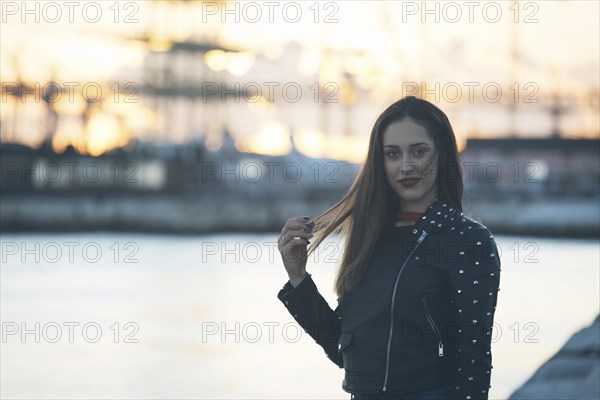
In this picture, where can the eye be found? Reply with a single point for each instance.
(420, 151)
(392, 153)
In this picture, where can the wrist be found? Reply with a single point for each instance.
(296, 280)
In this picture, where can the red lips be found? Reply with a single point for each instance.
(409, 182)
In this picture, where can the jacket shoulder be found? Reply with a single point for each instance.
(471, 228)
(476, 244)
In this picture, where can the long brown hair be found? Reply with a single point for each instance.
(370, 202)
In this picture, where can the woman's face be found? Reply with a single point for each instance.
(410, 160)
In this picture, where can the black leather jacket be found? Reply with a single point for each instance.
(421, 316)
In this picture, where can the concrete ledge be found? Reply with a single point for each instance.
(572, 373)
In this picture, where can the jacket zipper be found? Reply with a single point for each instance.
(389, 346)
(434, 327)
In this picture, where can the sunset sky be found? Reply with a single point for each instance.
(382, 44)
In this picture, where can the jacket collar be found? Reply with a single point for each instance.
(436, 217)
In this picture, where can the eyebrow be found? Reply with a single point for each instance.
(412, 145)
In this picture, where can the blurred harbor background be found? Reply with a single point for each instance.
(126, 124)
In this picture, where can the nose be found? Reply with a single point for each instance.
(408, 166)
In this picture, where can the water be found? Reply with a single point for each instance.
(197, 317)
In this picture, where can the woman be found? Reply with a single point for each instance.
(417, 286)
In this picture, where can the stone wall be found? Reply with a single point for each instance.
(572, 373)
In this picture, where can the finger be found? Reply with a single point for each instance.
(296, 219)
(293, 235)
(295, 248)
(300, 226)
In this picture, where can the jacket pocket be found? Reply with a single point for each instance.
(433, 325)
(345, 341)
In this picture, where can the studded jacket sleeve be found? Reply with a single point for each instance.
(313, 313)
(474, 279)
